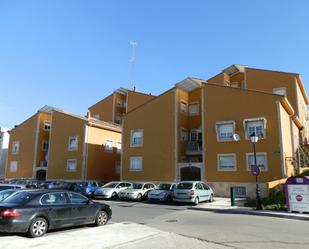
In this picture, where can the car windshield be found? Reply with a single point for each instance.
(184, 185)
(5, 193)
(137, 186)
(164, 186)
(110, 185)
(19, 198)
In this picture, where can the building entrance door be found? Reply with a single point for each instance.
(190, 174)
(41, 175)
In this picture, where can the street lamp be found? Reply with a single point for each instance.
(256, 171)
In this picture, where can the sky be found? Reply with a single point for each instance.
(72, 53)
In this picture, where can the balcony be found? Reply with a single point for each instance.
(194, 148)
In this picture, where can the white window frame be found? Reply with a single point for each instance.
(69, 144)
(15, 168)
(257, 154)
(183, 104)
(247, 121)
(227, 155)
(43, 143)
(119, 148)
(142, 138)
(71, 160)
(280, 88)
(184, 138)
(47, 124)
(141, 163)
(197, 104)
(14, 144)
(108, 149)
(232, 122)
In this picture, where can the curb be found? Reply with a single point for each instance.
(252, 212)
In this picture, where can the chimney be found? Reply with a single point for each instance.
(88, 115)
(134, 88)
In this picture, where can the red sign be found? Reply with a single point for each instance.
(255, 170)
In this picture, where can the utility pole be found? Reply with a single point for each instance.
(132, 61)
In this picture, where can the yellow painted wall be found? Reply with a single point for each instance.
(220, 105)
(63, 126)
(156, 118)
(217, 79)
(104, 108)
(195, 121)
(101, 164)
(25, 133)
(135, 99)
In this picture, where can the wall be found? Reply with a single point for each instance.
(157, 119)
(101, 164)
(25, 133)
(226, 103)
(63, 126)
(104, 108)
(135, 99)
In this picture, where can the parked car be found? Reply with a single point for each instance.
(4, 186)
(111, 190)
(37, 211)
(138, 191)
(88, 188)
(54, 185)
(193, 192)
(164, 192)
(6, 193)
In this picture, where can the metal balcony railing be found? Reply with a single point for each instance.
(194, 148)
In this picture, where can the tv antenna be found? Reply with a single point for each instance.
(132, 60)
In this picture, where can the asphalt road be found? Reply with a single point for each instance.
(232, 230)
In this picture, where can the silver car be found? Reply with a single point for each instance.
(110, 190)
(138, 191)
(193, 192)
(163, 193)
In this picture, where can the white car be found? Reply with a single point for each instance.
(110, 190)
(138, 191)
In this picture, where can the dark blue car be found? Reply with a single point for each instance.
(87, 188)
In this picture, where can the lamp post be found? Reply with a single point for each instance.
(256, 171)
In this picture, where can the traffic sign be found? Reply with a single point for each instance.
(255, 170)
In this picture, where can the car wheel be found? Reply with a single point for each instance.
(114, 196)
(139, 197)
(196, 201)
(169, 198)
(211, 198)
(102, 218)
(38, 227)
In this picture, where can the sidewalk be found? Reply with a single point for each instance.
(223, 205)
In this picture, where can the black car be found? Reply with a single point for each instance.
(37, 211)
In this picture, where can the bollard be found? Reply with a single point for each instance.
(233, 195)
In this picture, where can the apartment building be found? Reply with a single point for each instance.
(28, 146)
(4, 144)
(83, 148)
(201, 130)
(115, 106)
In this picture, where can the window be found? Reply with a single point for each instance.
(256, 126)
(96, 116)
(109, 146)
(225, 130)
(117, 167)
(119, 103)
(234, 84)
(226, 162)
(183, 107)
(136, 163)
(136, 138)
(280, 91)
(77, 198)
(47, 126)
(73, 143)
(119, 147)
(118, 118)
(15, 147)
(184, 135)
(195, 135)
(13, 166)
(261, 161)
(193, 109)
(71, 165)
(53, 199)
(44, 145)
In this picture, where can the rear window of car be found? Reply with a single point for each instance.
(164, 186)
(19, 198)
(137, 186)
(184, 185)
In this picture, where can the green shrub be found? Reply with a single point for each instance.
(305, 173)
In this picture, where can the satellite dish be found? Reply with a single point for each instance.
(236, 137)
